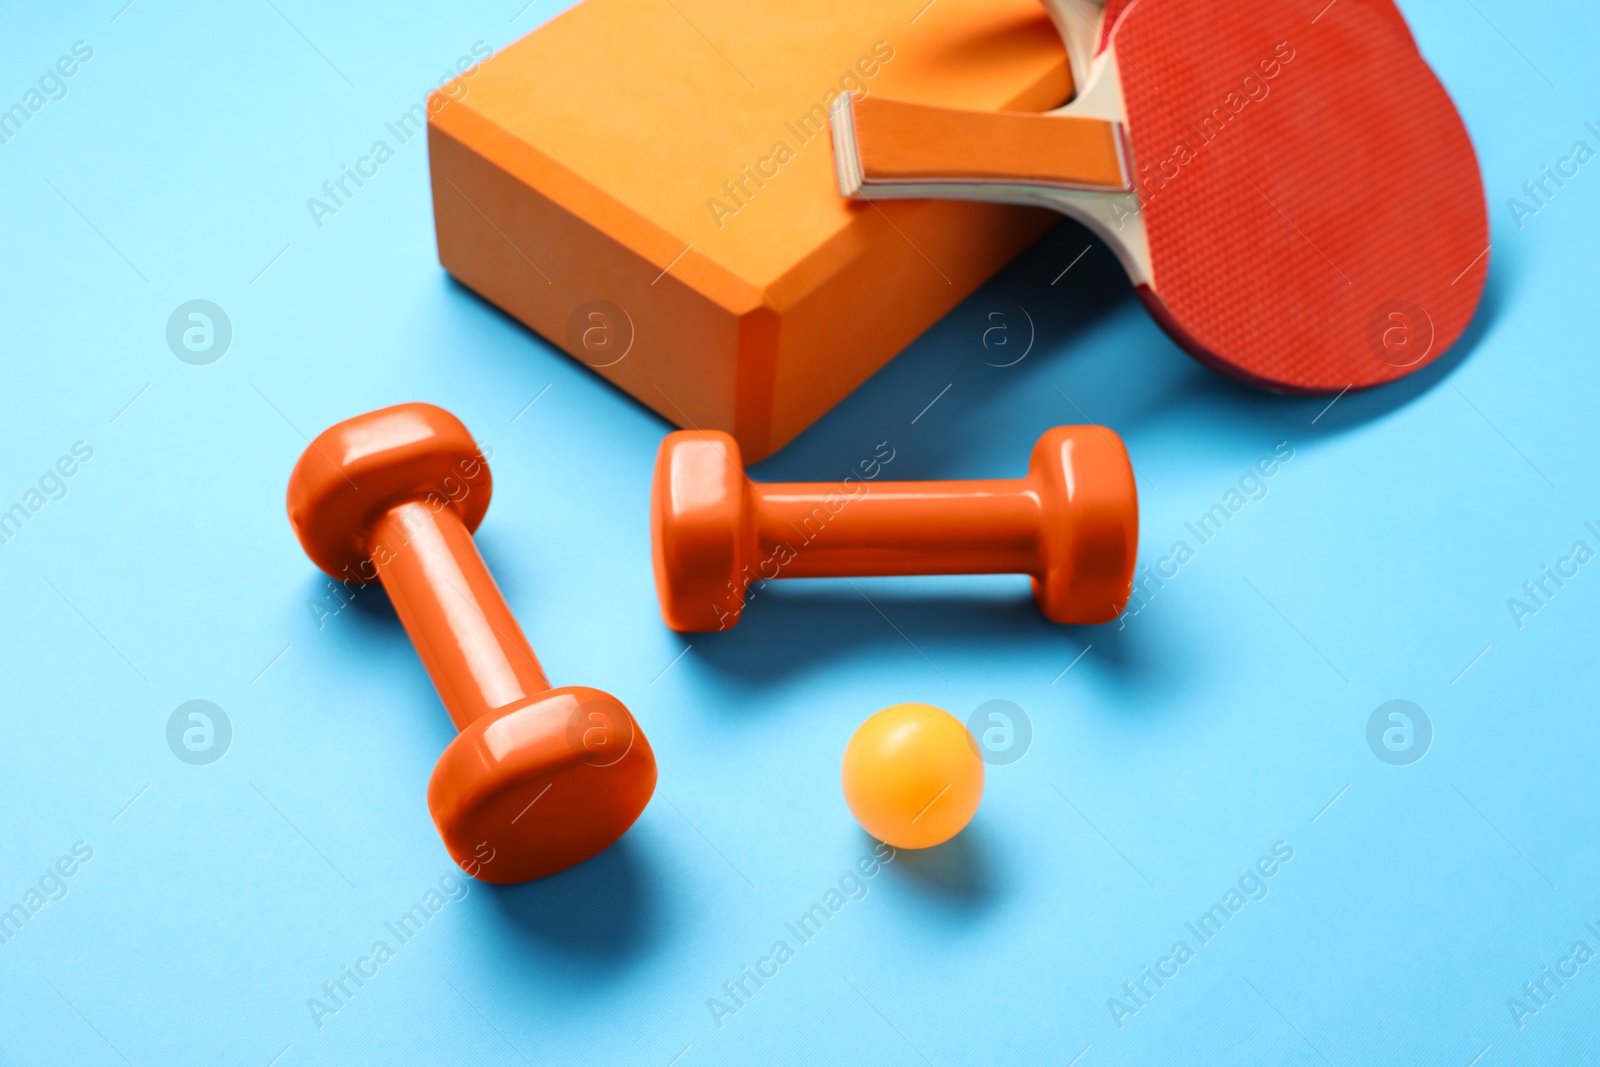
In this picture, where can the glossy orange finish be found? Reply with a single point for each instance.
(1072, 523)
(538, 778)
(912, 776)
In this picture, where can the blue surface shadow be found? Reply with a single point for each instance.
(961, 872)
(788, 628)
(1093, 355)
(597, 916)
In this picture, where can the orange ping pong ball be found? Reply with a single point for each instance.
(912, 776)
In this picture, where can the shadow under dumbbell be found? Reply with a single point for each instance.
(790, 627)
(598, 911)
(373, 602)
(328, 600)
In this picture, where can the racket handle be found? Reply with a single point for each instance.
(1078, 23)
(900, 149)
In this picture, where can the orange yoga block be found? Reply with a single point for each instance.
(650, 186)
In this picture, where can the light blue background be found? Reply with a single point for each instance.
(1175, 751)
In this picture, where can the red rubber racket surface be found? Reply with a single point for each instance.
(1328, 234)
(1115, 8)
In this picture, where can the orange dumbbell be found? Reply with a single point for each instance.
(538, 778)
(1072, 523)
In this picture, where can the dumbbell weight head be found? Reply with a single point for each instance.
(357, 470)
(544, 786)
(700, 534)
(1089, 534)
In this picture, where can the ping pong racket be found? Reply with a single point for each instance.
(1288, 185)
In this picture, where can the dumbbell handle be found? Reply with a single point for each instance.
(456, 616)
(898, 528)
